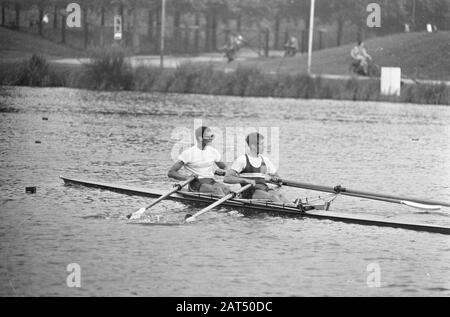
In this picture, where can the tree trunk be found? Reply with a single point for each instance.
(136, 37)
(40, 18)
(122, 16)
(340, 29)
(239, 23)
(266, 42)
(306, 19)
(197, 33)
(17, 8)
(320, 39)
(186, 39)
(63, 29)
(226, 30)
(102, 16)
(360, 32)
(176, 30)
(214, 30)
(276, 35)
(208, 32)
(304, 41)
(158, 31)
(86, 30)
(102, 26)
(55, 17)
(3, 13)
(150, 26)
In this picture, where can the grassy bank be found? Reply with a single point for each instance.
(420, 55)
(16, 45)
(109, 71)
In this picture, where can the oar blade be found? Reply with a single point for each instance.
(189, 219)
(137, 214)
(420, 206)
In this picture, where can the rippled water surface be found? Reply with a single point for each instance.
(127, 138)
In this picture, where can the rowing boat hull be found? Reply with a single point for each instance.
(319, 211)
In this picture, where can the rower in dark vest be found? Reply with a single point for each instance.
(253, 168)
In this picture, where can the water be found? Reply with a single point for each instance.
(126, 138)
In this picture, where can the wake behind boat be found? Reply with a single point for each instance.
(300, 209)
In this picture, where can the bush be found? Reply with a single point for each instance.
(261, 85)
(35, 71)
(184, 78)
(8, 73)
(307, 86)
(146, 78)
(241, 79)
(108, 69)
(207, 81)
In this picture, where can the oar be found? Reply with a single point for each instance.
(401, 202)
(190, 218)
(409, 201)
(137, 214)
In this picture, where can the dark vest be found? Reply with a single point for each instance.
(249, 168)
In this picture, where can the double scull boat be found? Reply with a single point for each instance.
(319, 210)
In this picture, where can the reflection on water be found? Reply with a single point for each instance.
(126, 138)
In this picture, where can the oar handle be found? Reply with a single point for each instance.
(219, 202)
(186, 182)
(177, 187)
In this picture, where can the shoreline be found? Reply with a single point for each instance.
(192, 78)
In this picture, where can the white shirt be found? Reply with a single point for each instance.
(359, 52)
(200, 162)
(256, 162)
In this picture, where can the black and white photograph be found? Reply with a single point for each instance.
(223, 154)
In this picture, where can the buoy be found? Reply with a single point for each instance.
(30, 190)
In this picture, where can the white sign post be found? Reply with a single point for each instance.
(391, 78)
(117, 27)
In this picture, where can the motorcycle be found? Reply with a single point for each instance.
(373, 70)
(231, 54)
(233, 47)
(289, 51)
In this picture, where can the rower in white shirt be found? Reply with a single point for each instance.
(253, 168)
(199, 161)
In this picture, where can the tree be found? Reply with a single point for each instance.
(393, 17)
(101, 7)
(19, 5)
(41, 6)
(211, 10)
(177, 8)
(3, 13)
(423, 12)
